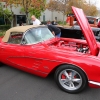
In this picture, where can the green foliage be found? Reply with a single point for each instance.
(35, 12)
(2, 33)
(5, 27)
(1, 15)
(65, 6)
(32, 11)
(61, 22)
(8, 14)
(5, 13)
(35, 9)
(44, 22)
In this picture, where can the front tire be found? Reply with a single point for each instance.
(70, 78)
(1, 64)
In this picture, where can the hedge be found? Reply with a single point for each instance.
(5, 27)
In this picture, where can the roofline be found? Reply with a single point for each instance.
(19, 29)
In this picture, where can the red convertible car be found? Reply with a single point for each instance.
(34, 49)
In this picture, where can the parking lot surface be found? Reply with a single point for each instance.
(19, 85)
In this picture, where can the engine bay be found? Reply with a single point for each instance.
(79, 46)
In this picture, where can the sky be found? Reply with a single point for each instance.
(95, 2)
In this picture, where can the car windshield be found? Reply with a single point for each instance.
(36, 35)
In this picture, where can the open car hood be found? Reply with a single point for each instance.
(86, 29)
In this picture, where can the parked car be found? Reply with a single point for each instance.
(34, 49)
(93, 21)
(76, 32)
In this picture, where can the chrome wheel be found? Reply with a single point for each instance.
(70, 79)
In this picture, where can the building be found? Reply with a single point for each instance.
(48, 15)
(45, 16)
(51, 15)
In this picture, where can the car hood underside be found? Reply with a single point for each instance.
(86, 29)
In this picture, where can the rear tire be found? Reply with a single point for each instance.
(70, 78)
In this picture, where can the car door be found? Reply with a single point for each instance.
(33, 49)
(33, 57)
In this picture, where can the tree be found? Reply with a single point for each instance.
(64, 6)
(92, 10)
(5, 13)
(28, 6)
(10, 4)
(38, 7)
(58, 5)
(32, 6)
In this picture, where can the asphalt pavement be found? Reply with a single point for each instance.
(19, 85)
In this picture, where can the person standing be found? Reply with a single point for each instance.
(49, 23)
(55, 30)
(35, 20)
(54, 22)
(20, 23)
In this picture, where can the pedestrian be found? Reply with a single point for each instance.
(54, 22)
(20, 23)
(55, 30)
(48, 22)
(35, 20)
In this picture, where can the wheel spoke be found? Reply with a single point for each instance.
(72, 74)
(71, 85)
(77, 80)
(64, 80)
(66, 74)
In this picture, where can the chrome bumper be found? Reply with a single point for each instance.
(94, 83)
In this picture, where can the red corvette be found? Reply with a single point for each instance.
(34, 49)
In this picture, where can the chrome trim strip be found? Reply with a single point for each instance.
(49, 60)
(28, 68)
(95, 83)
